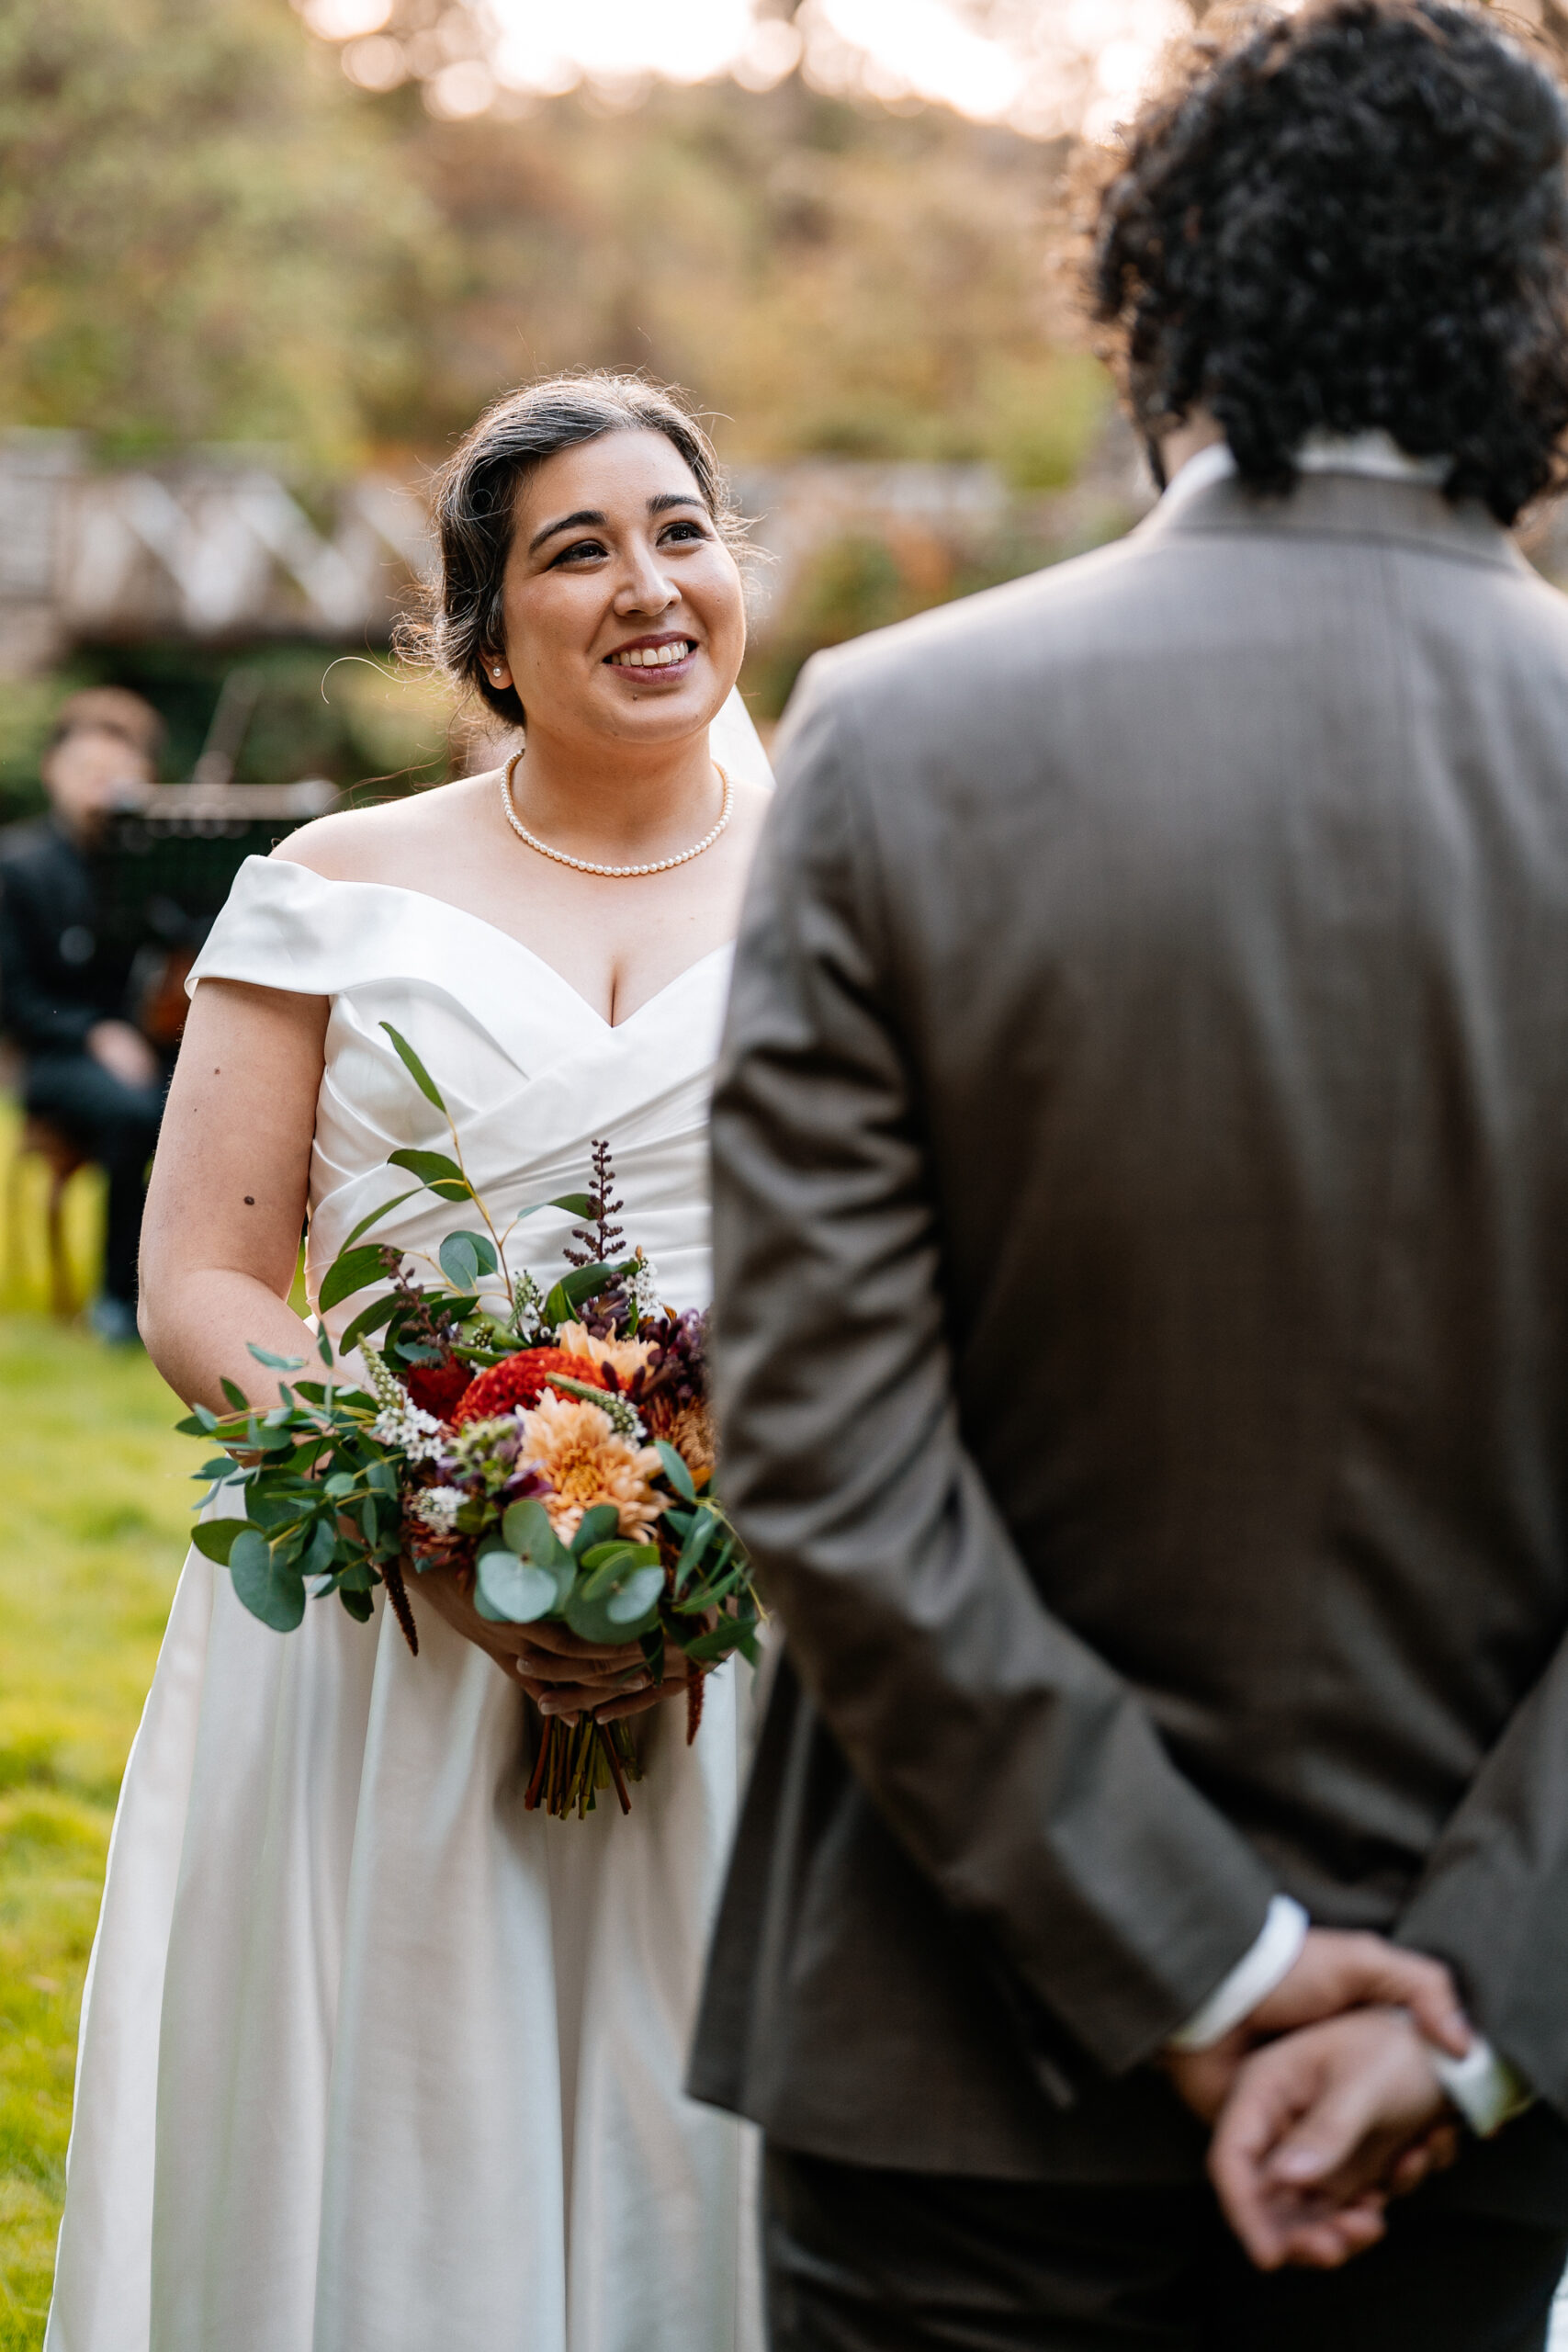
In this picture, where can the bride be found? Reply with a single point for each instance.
(373, 2059)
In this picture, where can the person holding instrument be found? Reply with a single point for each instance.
(67, 981)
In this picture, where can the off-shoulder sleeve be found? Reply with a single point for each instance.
(276, 930)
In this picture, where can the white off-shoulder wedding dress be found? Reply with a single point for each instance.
(372, 2058)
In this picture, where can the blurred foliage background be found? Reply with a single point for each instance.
(211, 238)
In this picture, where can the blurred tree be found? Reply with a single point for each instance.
(204, 232)
(828, 278)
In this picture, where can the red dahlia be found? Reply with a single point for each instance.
(439, 1388)
(520, 1380)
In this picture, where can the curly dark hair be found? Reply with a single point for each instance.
(1352, 217)
(475, 500)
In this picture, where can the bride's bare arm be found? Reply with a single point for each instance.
(222, 1234)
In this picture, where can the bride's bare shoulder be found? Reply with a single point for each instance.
(394, 841)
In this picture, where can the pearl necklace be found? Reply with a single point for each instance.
(586, 865)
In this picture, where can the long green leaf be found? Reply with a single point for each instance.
(434, 1169)
(273, 1364)
(414, 1067)
(377, 1215)
(675, 1470)
(369, 1319)
(698, 1536)
(353, 1270)
(712, 1648)
(583, 1283)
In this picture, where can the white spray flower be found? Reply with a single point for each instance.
(438, 1508)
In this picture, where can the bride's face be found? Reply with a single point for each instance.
(622, 605)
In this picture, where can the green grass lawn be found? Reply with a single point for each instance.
(94, 1506)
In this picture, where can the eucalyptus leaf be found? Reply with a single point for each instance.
(712, 1648)
(369, 1319)
(323, 1546)
(212, 1537)
(273, 1364)
(274, 1592)
(512, 1592)
(636, 1597)
(527, 1529)
(350, 1271)
(592, 1620)
(596, 1526)
(359, 1605)
(436, 1172)
(465, 1257)
(698, 1535)
(414, 1067)
(675, 1470)
(237, 1396)
(375, 1215)
(583, 1282)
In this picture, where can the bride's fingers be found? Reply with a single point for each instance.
(560, 1698)
(546, 1667)
(563, 1643)
(638, 1701)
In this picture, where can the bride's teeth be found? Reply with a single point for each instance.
(653, 657)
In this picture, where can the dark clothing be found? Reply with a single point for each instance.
(868, 2261)
(58, 976)
(59, 973)
(1141, 1338)
(115, 1124)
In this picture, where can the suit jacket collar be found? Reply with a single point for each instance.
(1342, 506)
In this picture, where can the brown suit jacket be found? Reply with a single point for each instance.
(1142, 1252)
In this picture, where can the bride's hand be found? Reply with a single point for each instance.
(562, 1674)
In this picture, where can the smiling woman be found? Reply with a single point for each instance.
(357, 2027)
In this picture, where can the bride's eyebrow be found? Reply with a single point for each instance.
(591, 518)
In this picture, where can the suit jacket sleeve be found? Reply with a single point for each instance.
(1015, 1766)
(1492, 1901)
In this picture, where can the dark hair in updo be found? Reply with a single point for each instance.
(475, 503)
(1352, 216)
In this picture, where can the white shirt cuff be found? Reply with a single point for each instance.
(1482, 2086)
(1252, 1979)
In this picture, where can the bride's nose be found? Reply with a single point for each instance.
(647, 587)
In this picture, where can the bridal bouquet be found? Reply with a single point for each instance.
(555, 1453)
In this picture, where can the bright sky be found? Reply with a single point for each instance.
(1042, 64)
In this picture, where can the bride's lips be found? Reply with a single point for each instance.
(658, 660)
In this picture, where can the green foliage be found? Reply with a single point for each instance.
(826, 277)
(91, 1541)
(200, 229)
(350, 718)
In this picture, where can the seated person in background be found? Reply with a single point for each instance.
(65, 991)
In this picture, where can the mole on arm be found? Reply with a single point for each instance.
(250, 1199)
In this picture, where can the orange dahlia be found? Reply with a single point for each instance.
(573, 1445)
(520, 1380)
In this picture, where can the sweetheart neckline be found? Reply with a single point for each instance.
(465, 914)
